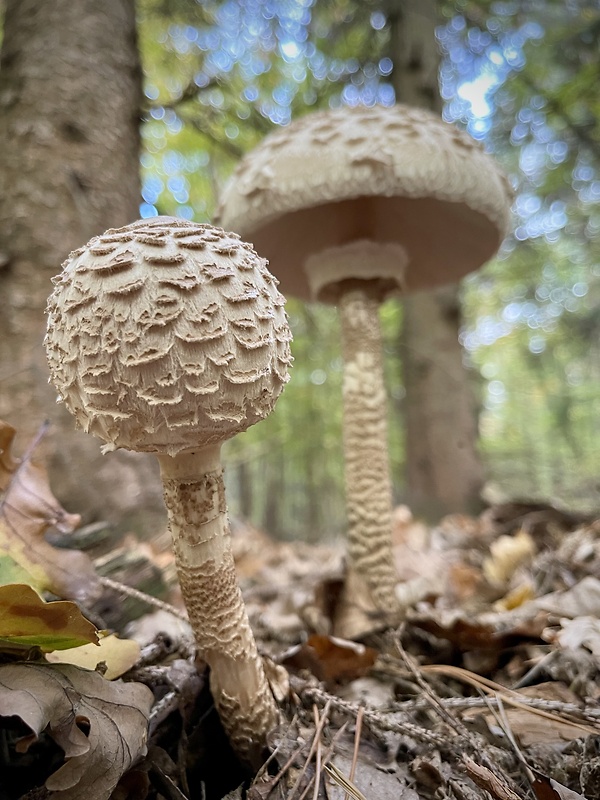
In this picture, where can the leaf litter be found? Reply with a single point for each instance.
(28, 509)
(99, 725)
(488, 690)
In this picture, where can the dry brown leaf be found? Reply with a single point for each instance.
(27, 509)
(464, 581)
(331, 659)
(492, 631)
(545, 788)
(60, 699)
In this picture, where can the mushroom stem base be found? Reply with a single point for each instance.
(368, 484)
(195, 498)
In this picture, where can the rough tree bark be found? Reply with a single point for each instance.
(70, 91)
(444, 473)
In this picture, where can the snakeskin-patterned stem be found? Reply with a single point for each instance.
(368, 485)
(195, 498)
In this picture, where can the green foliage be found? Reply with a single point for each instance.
(297, 451)
(220, 75)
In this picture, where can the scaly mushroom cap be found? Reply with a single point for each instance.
(393, 176)
(165, 336)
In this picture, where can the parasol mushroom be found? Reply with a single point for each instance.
(350, 206)
(169, 337)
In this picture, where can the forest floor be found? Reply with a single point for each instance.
(488, 689)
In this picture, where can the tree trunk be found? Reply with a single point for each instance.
(444, 472)
(246, 504)
(70, 91)
(274, 490)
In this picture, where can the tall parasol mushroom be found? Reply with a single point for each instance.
(350, 206)
(169, 337)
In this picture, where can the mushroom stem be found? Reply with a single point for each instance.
(367, 472)
(194, 494)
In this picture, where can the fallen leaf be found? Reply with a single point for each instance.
(27, 509)
(583, 599)
(368, 691)
(507, 554)
(28, 621)
(369, 781)
(464, 581)
(566, 729)
(11, 572)
(119, 655)
(486, 632)
(331, 659)
(529, 726)
(279, 679)
(67, 701)
(516, 598)
(580, 632)
(546, 788)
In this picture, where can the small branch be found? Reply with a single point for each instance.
(109, 583)
(378, 721)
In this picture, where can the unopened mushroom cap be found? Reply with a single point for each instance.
(390, 175)
(166, 336)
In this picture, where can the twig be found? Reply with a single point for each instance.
(508, 695)
(262, 771)
(317, 759)
(117, 586)
(33, 444)
(338, 777)
(503, 721)
(561, 706)
(378, 721)
(357, 733)
(286, 766)
(318, 730)
(489, 781)
(430, 696)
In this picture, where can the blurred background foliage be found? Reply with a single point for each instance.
(523, 78)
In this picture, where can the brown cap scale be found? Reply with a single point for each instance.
(170, 337)
(350, 206)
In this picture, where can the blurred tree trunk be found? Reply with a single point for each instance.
(70, 93)
(443, 469)
(274, 491)
(244, 477)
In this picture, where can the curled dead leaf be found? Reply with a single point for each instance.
(101, 726)
(491, 631)
(331, 659)
(27, 510)
(545, 788)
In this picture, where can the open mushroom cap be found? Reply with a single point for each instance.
(166, 336)
(395, 175)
